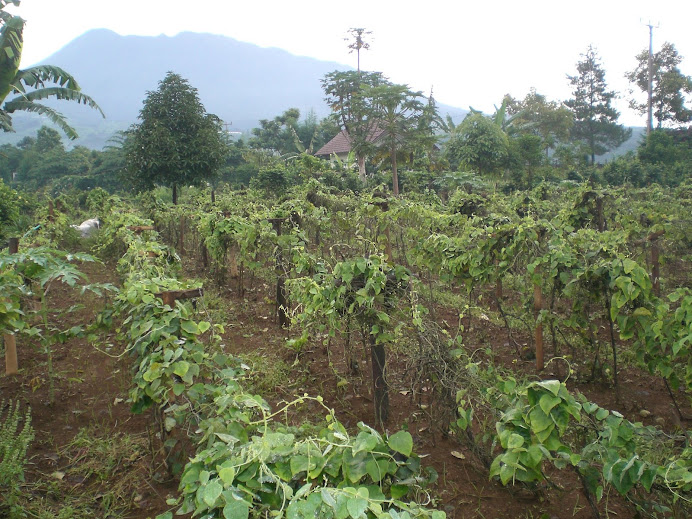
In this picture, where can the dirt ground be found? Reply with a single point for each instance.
(124, 475)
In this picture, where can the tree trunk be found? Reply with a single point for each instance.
(395, 174)
(361, 167)
(175, 194)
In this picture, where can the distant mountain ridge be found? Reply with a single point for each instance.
(239, 82)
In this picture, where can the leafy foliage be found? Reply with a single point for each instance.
(14, 443)
(31, 85)
(479, 143)
(669, 85)
(176, 142)
(595, 120)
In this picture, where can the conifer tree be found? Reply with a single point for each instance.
(595, 119)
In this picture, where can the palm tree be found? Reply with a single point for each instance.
(26, 87)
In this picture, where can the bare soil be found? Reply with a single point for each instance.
(93, 380)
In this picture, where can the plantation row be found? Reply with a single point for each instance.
(590, 257)
(577, 264)
(577, 260)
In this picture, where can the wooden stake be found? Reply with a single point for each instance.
(169, 298)
(498, 284)
(281, 299)
(379, 382)
(384, 207)
(182, 235)
(11, 364)
(537, 307)
(137, 229)
(600, 217)
(655, 268)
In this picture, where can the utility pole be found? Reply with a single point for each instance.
(649, 113)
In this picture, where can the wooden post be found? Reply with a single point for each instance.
(233, 266)
(379, 382)
(11, 364)
(182, 235)
(138, 229)
(498, 284)
(384, 207)
(655, 264)
(388, 245)
(600, 217)
(537, 307)
(205, 256)
(51, 211)
(281, 300)
(170, 297)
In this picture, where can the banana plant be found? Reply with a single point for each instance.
(26, 87)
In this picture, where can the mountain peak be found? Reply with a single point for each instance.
(240, 82)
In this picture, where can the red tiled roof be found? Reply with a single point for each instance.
(341, 143)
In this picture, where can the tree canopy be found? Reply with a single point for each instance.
(669, 86)
(479, 143)
(285, 134)
(397, 110)
(595, 119)
(345, 96)
(535, 114)
(176, 142)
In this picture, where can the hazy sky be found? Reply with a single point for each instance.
(470, 53)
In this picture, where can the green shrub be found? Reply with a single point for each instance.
(9, 206)
(13, 446)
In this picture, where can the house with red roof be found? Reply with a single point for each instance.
(340, 145)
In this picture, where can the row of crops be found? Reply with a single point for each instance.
(600, 278)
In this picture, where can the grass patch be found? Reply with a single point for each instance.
(100, 474)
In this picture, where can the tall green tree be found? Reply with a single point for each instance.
(397, 111)
(177, 142)
(47, 139)
(353, 109)
(669, 86)
(277, 134)
(535, 114)
(595, 119)
(20, 90)
(479, 143)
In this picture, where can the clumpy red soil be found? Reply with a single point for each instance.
(92, 387)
